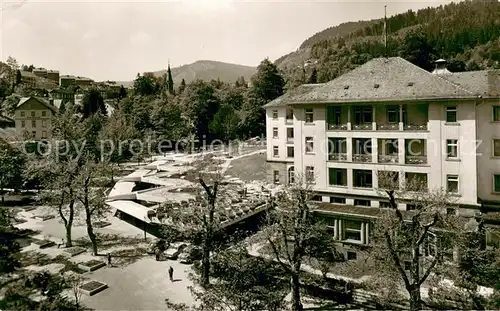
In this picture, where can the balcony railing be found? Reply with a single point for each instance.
(289, 140)
(388, 158)
(415, 127)
(416, 159)
(362, 127)
(337, 127)
(289, 121)
(365, 158)
(388, 127)
(339, 157)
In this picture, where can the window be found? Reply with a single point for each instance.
(337, 176)
(276, 152)
(23, 123)
(275, 114)
(496, 113)
(33, 114)
(496, 147)
(362, 179)
(44, 113)
(334, 115)
(290, 153)
(44, 123)
(309, 115)
(289, 115)
(44, 134)
(430, 245)
(291, 175)
(452, 148)
(310, 174)
(276, 177)
(363, 115)
(33, 134)
(452, 183)
(317, 198)
(275, 132)
(416, 182)
(309, 145)
(358, 202)
(337, 200)
(352, 230)
(351, 256)
(496, 183)
(362, 146)
(407, 265)
(451, 114)
(384, 204)
(388, 179)
(22, 113)
(393, 114)
(289, 134)
(412, 207)
(33, 123)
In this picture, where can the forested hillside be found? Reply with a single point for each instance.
(467, 34)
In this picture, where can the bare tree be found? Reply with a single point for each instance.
(292, 233)
(203, 216)
(91, 194)
(405, 245)
(75, 282)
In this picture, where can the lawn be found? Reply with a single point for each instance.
(251, 168)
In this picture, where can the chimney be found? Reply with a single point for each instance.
(440, 68)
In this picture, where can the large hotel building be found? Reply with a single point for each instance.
(388, 115)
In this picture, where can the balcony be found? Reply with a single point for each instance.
(364, 158)
(362, 127)
(338, 157)
(388, 158)
(289, 121)
(388, 127)
(415, 127)
(289, 140)
(337, 127)
(416, 160)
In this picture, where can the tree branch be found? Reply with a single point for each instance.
(426, 229)
(277, 255)
(429, 270)
(396, 260)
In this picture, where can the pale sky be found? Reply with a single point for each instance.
(114, 40)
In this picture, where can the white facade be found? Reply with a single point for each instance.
(429, 127)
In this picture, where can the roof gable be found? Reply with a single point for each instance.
(24, 100)
(292, 94)
(484, 83)
(385, 79)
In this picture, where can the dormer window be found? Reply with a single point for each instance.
(410, 83)
(376, 85)
(346, 87)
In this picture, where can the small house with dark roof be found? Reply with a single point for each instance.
(388, 117)
(33, 117)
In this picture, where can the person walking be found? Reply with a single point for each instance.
(171, 274)
(109, 259)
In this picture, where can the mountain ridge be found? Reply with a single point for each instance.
(205, 70)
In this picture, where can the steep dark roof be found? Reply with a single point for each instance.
(292, 94)
(485, 83)
(41, 100)
(385, 79)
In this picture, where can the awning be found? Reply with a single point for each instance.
(133, 209)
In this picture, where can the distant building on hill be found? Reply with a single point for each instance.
(53, 75)
(40, 72)
(33, 116)
(28, 78)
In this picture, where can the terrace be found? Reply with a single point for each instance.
(378, 117)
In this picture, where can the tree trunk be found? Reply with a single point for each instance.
(415, 302)
(69, 223)
(90, 230)
(295, 284)
(206, 260)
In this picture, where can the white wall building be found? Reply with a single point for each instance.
(389, 115)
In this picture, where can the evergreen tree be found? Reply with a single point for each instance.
(170, 81)
(19, 77)
(182, 87)
(93, 102)
(314, 76)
